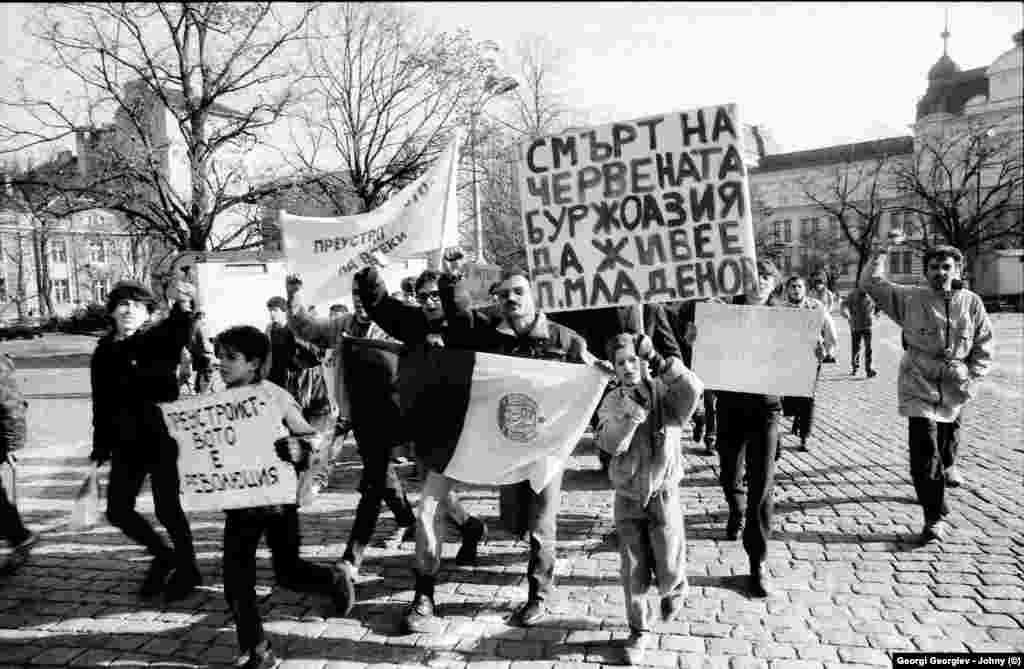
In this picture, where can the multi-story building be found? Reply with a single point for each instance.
(84, 255)
(803, 235)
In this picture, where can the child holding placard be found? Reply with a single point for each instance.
(640, 425)
(243, 351)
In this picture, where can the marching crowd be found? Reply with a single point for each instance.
(637, 428)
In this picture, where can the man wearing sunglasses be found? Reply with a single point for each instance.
(519, 329)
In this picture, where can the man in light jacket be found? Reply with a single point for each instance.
(949, 349)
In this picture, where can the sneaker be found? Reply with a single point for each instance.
(420, 614)
(934, 532)
(533, 612)
(953, 478)
(872, 373)
(473, 532)
(343, 591)
(19, 554)
(672, 605)
(156, 578)
(853, 372)
(260, 657)
(636, 647)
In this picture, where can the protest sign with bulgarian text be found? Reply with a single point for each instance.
(648, 210)
(419, 219)
(226, 456)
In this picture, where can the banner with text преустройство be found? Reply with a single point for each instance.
(226, 456)
(648, 210)
(753, 349)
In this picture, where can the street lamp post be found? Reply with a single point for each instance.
(493, 87)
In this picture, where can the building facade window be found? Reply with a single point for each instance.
(777, 231)
(61, 292)
(901, 261)
(97, 251)
(787, 231)
(59, 251)
(100, 288)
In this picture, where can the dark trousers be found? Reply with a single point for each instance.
(803, 415)
(747, 441)
(707, 417)
(932, 450)
(856, 337)
(380, 483)
(535, 515)
(11, 526)
(127, 472)
(243, 529)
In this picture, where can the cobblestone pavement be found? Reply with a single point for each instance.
(854, 586)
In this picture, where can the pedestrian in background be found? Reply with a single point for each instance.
(802, 408)
(860, 310)
(949, 347)
(133, 369)
(13, 431)
(819, 290)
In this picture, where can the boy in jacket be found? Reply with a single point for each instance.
(948, 350)
(640, 425)
(133, 368)
(243, 350)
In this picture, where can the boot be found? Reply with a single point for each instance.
(183, 582)
(420, 614)
(473, 531)
(156, 577)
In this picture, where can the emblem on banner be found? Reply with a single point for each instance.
(518, 417)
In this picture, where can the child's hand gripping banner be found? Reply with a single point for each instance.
(226, 455)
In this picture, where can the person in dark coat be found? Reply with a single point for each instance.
(366, 387)
(520, 330)
(705, 418)
(133, 368)
(12, 438)
(748, 437)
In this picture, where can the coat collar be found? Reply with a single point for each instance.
(539, 329)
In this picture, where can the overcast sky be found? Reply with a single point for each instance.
(814, 74)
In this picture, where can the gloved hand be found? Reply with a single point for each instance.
(645, 351)
(295, 451)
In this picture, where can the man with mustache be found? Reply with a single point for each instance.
(520, 329)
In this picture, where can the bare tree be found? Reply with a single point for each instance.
(386, 95)
(855, 192)
(192, 84)
(534, 108)
(969, 185)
